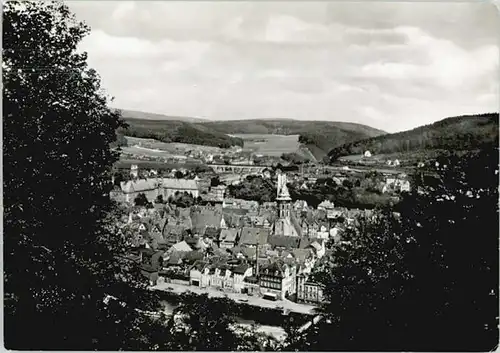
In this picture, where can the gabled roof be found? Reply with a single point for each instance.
(254, 236)
(213, 233)
(301, 254)
(284, 241)
(229, 235)
(275, 268)
(181, 246)
(199, 265)
(202, 218)
(179, 184)
(140, 185)
(241, 269)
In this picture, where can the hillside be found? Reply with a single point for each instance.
(177, 131)
(461, 133)
(318, 136)
(134, 114)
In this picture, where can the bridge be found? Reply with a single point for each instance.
(237, 169)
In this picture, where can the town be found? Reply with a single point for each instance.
(250, 176)
(257, 253)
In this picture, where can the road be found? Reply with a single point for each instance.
(238, 297)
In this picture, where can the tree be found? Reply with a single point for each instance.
(194, 327)
(426, 274)
(215, 181)
(179, 175)
(57, 129)
(159, 199)
(141, 200)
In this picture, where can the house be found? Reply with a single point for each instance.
(173, 260)
(304, 258)
(212, 233)
(181, 247)
(300, 205)
(323, 232)
(251, 236)
(150, 263)
(205, 217)
(318, 247)
(132, 188)
(326, 205)
(241, 272)
(228, 238)
(310, 228)
(221, 277)
(170, 186)
(283, 242)
(308, 291)
(277, 279)
(199, 274)
(251, 285)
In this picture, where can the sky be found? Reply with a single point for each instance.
(392, 66)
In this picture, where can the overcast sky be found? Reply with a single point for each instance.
(393, 66)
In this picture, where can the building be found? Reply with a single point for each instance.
(134, 171)
(132, 188)
(170, 186)
(228, 238)
(286, 224)
(308, 291)
(277, 279)
(251, 236)
(240, 273)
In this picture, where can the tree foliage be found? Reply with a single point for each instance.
(178, 131)
(427, 280)
(57, 130)
(451, 134)
(253, 188)
(209, 324)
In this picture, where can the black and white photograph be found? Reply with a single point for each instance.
(250, 176)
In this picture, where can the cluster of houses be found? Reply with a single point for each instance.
(235, 245)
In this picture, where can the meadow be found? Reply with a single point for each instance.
(269, 144)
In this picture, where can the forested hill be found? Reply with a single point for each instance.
(460, 133)
(177, 131)
(134, 114)
(319, 136)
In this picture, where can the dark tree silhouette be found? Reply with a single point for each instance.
(428, 281)
(141, 200)
(159, 199)
(194, 326)
(57, 131)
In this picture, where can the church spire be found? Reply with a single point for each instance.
(282, 191)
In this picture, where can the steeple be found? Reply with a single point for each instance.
(283, 197)
(282, 191)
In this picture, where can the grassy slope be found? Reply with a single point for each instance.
(457, 133)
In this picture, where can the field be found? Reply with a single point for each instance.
(155, 148)
(268, 144)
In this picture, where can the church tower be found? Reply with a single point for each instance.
(283, 197)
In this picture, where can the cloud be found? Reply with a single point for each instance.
(392, 66)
